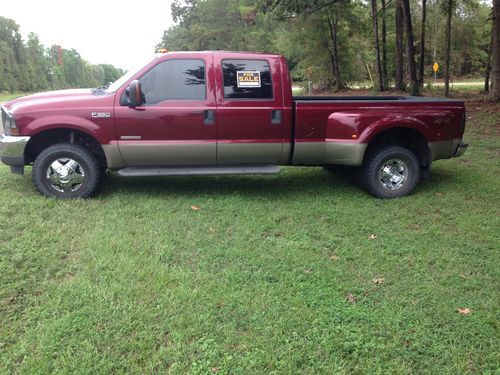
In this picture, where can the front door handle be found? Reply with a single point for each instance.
(209, 117)
(276, 116)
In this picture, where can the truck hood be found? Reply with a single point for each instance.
(51, 99)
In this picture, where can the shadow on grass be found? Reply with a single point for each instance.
(292, 181)
(297, 181)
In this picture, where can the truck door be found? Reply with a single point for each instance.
(176, 124)
(249, 110)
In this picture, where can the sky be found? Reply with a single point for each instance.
(119, 32)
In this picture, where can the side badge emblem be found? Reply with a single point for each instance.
(101, 114)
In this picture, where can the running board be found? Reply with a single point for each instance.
(198, 170)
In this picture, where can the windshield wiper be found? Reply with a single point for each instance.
(101, 89)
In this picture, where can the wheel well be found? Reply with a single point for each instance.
(41, 141)
(404, 137)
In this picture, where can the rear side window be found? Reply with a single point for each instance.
(247, 79)
(174, 79)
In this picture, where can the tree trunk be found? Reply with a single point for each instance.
(422, 43)
(412, 66)
(488, 63)
(334, 54)
(384, 48)
(338, 77)
(495, 53)
(399, 46)
(332, 61)
(377, 45)
(449, 13)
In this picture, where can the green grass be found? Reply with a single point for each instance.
(6, 96)
(136, 281)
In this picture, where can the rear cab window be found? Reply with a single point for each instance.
(247, 79)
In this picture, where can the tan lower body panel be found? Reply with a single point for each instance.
(345, 153)
(139, 154)
(166, 154)
(250, 153)
(443, 149)
(342, 153)
(113, 157)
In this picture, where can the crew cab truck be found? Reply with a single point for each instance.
(214, 113)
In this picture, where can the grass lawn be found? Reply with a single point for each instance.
(4, 96)
(299, 273)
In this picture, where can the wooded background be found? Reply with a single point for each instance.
(29, 66)
(389, 43)
(335, 44)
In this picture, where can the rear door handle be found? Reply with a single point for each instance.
(209, 117)
(276, 116)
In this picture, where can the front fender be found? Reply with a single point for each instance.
(45, 123)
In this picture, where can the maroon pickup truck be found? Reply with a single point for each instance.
(220, 113)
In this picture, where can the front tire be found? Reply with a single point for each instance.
(390, 172)
(66, 170)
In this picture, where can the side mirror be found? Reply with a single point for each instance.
(135, 97)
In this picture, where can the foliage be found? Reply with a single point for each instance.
(299, 30)
(300, 273)
(29, 66)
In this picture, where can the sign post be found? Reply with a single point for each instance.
(435, 67)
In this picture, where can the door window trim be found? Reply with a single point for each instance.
(271, 99)
(174, 100)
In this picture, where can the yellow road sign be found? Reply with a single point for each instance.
(435, 67)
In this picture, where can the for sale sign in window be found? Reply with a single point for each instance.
(248, 79)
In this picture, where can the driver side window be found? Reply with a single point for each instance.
(174, 80)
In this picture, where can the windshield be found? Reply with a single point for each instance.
(124, 78)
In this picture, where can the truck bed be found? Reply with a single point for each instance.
(368, 98)
(337, 129)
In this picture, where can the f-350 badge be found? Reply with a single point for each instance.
(101, 114)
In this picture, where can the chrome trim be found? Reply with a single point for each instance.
(7, 112)
(199, 170)
(5, 118)
(393, 174)
(12, 146)
(65, 175)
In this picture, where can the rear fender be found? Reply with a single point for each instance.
(392, 122)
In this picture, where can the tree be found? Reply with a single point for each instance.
(422, 43)
(11, 56)
(449, 13)
(399, 46)
(412, 68)
(377, 44)
(36, 64)
(334, 53)
(495, 53)
(28, 66)
(488, 63)
(384, 48)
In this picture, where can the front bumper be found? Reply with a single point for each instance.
(461, 148)
(12, 151)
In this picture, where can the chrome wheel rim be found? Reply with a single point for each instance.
(65, 175)
(393, 174)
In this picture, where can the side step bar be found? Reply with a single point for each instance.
(198, 170)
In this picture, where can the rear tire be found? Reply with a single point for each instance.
(66, 170)
(390, 172)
